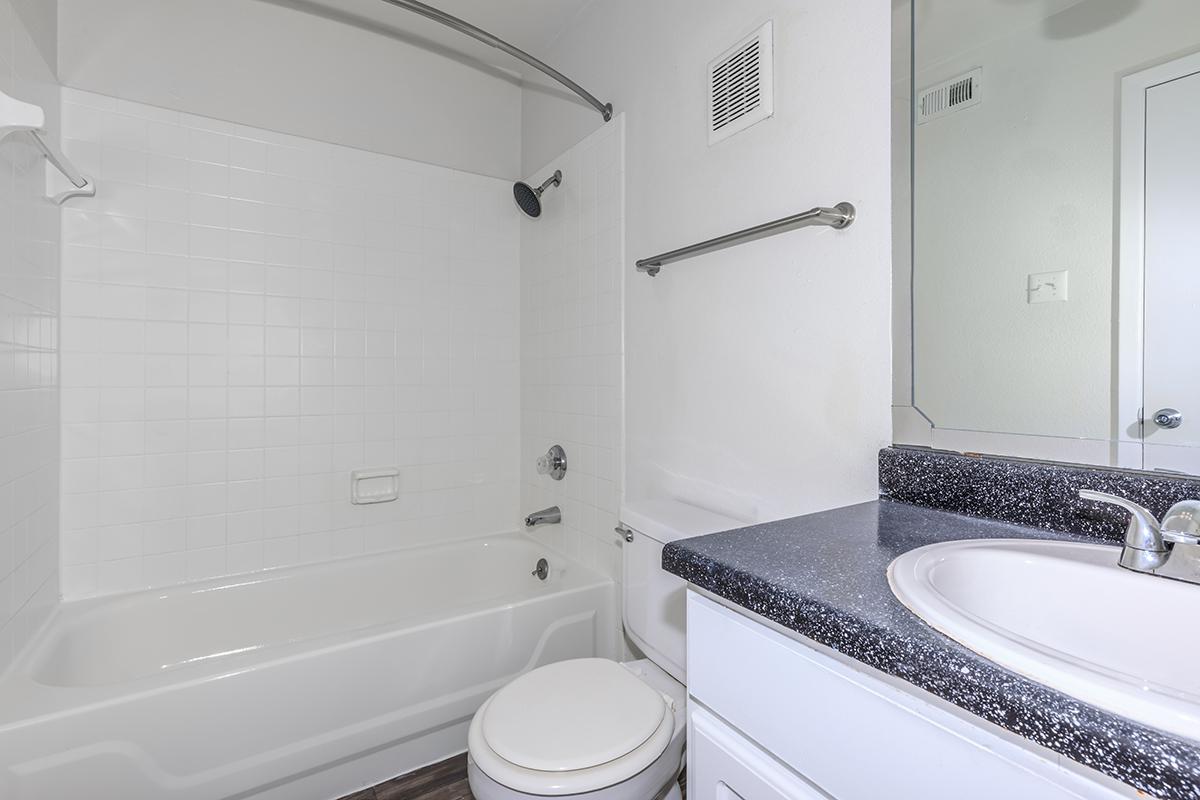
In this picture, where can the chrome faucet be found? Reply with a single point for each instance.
(547, 516)
(1170, 549)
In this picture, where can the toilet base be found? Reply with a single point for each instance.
(647, 785)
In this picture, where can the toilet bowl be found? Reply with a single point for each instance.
(588, 728)
(595, 728)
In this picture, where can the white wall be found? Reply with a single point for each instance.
(571, 348)
(1024, 183)
(758, 379)
(902, 205)
(248, 317)
(29, 289)
(40, 20)
(271, 67)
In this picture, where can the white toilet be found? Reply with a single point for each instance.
(594, 728)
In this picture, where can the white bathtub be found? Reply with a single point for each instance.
(301, 683)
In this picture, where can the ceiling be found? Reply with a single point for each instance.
(946, 28)
(531, 25)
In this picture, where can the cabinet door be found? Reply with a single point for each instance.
(724, 765)
(856, 736)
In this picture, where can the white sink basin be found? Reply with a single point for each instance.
(1066, 616)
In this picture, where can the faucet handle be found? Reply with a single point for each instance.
(1181, 525)
(1144, 532)
(1175, 537)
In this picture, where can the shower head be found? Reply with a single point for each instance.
(529, 199)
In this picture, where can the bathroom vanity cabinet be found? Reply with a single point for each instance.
(778, 717)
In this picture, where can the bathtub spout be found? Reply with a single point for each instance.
(547, 516)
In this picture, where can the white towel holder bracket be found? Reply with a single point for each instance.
(58, 198)
(17, 116)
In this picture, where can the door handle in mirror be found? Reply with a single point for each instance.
(1169, 418)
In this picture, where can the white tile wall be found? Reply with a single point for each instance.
(249, 316)
(571, 348)
(29, 233)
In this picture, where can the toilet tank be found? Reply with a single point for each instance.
(653, 600)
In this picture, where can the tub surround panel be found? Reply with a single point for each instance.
(571, 347)
(824, 576)
(1037, 494)
(29, 380)
(249, 316)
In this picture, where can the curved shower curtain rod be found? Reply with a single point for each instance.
(461, 26)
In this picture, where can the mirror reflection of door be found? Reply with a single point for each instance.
(1164, 103)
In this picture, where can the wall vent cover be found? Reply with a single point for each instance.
(741, 85)
(957, 94)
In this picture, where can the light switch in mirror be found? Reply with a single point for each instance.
(1047, 287)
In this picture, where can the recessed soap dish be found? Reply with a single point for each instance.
(370, 486)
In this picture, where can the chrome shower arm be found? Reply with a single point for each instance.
(553, 180)
(462, 26)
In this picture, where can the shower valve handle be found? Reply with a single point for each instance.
(554, 463)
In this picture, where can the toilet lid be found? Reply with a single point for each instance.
(572, 715)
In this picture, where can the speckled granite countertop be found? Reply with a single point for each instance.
(825, 577)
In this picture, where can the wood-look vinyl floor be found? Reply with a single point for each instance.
(444, 781)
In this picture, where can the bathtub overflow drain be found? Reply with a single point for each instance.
(542, 570)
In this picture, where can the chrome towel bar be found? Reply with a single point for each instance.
(840, 216)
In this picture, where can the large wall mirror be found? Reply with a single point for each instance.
(1048, 229)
